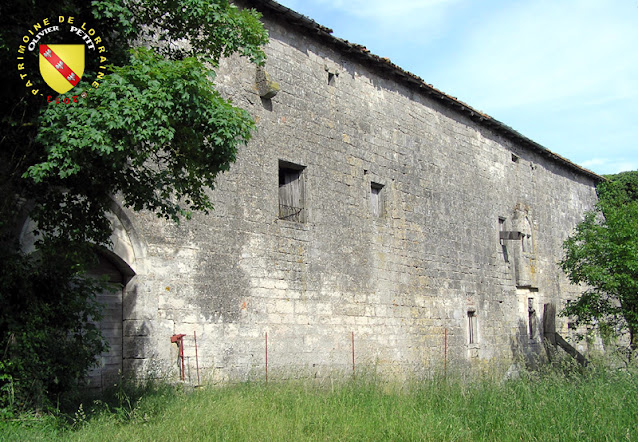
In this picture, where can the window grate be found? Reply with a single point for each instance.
(291, 213)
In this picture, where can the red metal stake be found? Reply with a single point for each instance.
(181, 352)
(266, 357)
(445, 353)
(196, 357)
(353, 353)
(179, 339)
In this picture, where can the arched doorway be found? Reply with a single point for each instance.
(126, 252)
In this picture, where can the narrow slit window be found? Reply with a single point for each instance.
(471, 327)
(331, 79)
(376, 199)
(531, 312)
(291, 192)
(501, 228)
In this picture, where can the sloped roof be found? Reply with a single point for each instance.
(385, 66)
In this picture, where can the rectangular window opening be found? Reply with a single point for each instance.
(331, 79)
(501, 224)
(471, 327)
(291, 192)
(376, 199)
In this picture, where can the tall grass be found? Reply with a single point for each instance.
(595, 404)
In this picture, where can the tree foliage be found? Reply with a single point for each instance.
(155, 133)
(49, 334)
(162, 139)
(602, 254)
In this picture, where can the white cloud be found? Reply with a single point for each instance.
(382, 23)
(610, 165)
(383, 10)
(548, 51)
(563, 73)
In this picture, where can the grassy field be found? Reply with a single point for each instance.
(596, 404)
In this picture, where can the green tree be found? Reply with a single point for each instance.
(602, 254)
(155, 132)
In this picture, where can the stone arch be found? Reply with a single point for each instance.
(125, 242)
(121, 262)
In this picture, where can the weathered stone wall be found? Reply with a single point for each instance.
(397, 280)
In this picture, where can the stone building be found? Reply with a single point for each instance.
(370, 210)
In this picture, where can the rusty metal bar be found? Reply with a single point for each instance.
(266, 357)
(353, 353)
(510, 235)
(179, 340)
(445, 352)
(196, 357)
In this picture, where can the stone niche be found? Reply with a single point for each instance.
(521, 247)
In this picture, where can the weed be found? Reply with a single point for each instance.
(560, 402)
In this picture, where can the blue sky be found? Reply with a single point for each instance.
(561, 72)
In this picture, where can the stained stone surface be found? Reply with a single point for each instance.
(399, 272)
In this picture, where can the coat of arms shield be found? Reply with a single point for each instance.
(62, 65)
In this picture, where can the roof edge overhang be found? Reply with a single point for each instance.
(385, 66)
